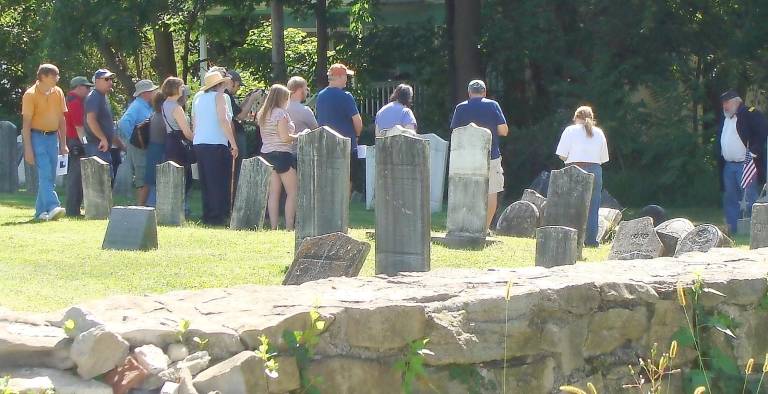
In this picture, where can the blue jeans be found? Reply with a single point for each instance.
(733, 194)
(590, 238)
(46, 150)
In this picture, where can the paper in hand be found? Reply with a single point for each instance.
(62, 165)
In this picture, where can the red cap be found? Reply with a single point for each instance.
(338, 70)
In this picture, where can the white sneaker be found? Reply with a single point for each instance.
(56, 213)
(43, 216)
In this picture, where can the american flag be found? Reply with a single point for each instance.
(750, 171)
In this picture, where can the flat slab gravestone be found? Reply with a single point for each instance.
(403, 215)
(9, 175)
(671, 232)
(568, 195)
(636, 239)
(519, 219)
(556, 246)
(327, 256)
(701, 239)
(97, 187)
(370, 176)
(438, 158)
(533, 197)
(170, 194)
(758, 237)
(131, 228)
(323, 177)
(251, 197)
(608, 220)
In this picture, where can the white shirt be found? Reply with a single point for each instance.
(730, 143)
(577, 147)
(206, 118)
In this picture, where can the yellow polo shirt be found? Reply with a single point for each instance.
(46, 110)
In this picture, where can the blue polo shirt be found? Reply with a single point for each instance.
(483, 112)
(335, 108)
(139, 111)
(96, 102)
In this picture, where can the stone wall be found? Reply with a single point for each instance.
(566, 325)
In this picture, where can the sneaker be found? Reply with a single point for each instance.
(43, 216)
(56, 213)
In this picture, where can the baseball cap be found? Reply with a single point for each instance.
(235, 76)
(476, 85)
(102, 73)
(729, 94)
(78, 81)
(338, 70)
(144, 85)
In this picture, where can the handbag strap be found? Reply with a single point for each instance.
(162, 111)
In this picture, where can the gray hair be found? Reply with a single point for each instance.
(476, 87)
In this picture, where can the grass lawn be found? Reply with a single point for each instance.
(50, 265)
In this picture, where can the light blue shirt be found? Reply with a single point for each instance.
(137, 112)
(394, 114)
(207, 127)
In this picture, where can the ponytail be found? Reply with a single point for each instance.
(588, 125)
(587, 117)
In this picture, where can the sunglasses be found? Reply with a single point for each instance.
(110, 79)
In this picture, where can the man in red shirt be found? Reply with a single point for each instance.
(75, 135)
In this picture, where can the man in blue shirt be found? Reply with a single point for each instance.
(138, 112)
(485, 113)
(99, 124)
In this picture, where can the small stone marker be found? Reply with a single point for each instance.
(759, 235)
(370, 176)
(438, 158)
(97, 188)
(608, 220)
(322, 205)
(519, 219)
(131, 228)
(701, 239)
(569, 193)
(671, 232)
(403, 215)
(636, 239)
(9, 174)
(170, 194)
(251, 196)
(556, 246)
(533, 197)
(327, 256)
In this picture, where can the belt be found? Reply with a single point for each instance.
(44, 131)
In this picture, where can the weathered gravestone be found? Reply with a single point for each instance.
(607, 221)
(701, 239)
(327, 256)
(568, 196)
(556, 246)
(323, 177)
(533, 197)
(438, 158)
(743, 226)
(541, 183)
(763, 198)
(123, 183)
(9, 176)
(468, 185)
(759, 235)
(131, 228)
(403, 216)
(97, 187)
(655, 212)
(30, 177)
(519, 219)
(170, 194)
(251, 196)
(370, 176)
(636, 239)
(671, 232)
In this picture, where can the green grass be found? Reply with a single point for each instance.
(50, 265)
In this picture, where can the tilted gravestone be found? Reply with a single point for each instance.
(9, 175)
(701, 239)
(403, 215)
(556, 246)
(671, 232)
(322, 205)
(519, 219)
(759, 234)
(327, 256)
(607, 221)
(97, 187)
(541, 183)
(170, 194)
(252, 193)
(533, 197)
(636, 239)
(568, 196)
(131, 228)
(438, 158)
(468, 184)
(370, 176)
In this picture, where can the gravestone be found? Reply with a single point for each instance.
(403, 216)
(123, 183)
(636, 239)
(519, 219)
(671, 232)
(323, 177)
(533, 197)
(252, 192)
(131, 228)
(743, 226)
(763, 197)
(438, 158)
(97, 187)
(170, 194)
(397, 130)
(607, 221)
(541, 183)
(655, 212)
(30, 177)
(759, 235)
(608, 201)
(327, 256)
(9, 176)
(701, 239)
(569, 193)
(556, 246)
(370, 176)
(468, 184)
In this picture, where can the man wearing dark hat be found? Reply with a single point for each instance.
(75, 136)
(742, 132)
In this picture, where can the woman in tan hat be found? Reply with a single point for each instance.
(215, 147)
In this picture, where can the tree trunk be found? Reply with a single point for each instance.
(117, 65)
(278, 42)
(450, 20)
(165, 60)
(321, 20)
(466, 54)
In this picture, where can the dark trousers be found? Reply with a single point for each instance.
(214, 164)
(74, 179)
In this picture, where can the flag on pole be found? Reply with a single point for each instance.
(750, 171)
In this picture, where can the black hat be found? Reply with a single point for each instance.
(235, 76)
(729, 94)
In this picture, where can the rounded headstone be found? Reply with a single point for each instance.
(671, 232)
(520, 219)
(533, 197)
(701, 239)
(655, 212)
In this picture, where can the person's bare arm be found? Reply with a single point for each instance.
(502, 130)
(284, 131)
(245, 109)
(26, 138)
(181, 120)
(226, 124)
(80, 132)
(90, 118)
(63, 149)
(357, 122)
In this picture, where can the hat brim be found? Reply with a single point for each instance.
(137, 93)
(107, 75)
(218, 81)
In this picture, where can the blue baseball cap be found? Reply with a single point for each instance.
(102, 73)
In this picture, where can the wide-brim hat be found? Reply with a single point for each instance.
(213, 78)
(144, 85)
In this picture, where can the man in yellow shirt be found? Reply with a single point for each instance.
(43, 131)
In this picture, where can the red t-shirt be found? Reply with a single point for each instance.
(74, 115)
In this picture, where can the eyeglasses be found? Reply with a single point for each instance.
(109, 79)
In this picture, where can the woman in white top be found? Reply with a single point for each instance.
(583, 144)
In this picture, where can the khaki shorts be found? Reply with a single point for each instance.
(138, 159)
(496, 177)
